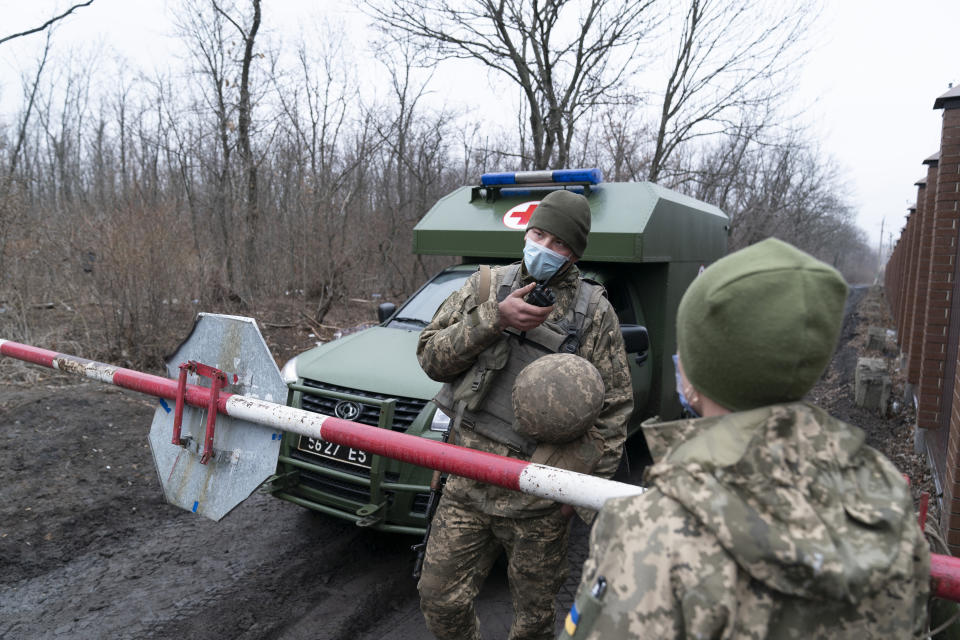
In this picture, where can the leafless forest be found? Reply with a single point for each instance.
(255, 170)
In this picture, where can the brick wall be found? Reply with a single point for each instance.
(911, 239)
(922, 283)
(936, 266)
(918, 313)
(948, 211)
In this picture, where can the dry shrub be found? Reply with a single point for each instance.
(142, 283)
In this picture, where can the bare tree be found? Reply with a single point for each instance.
(326, 171)
(204, 32)
(785, 188)
(10, 210)
(46, 24)
(622, 144)
(244, 109)
(30, 91)
(413, 150)
(563, 64)
(731, 56)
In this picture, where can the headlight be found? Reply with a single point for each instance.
(440, 422)
(289, 372)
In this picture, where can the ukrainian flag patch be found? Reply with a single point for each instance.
(573, 618)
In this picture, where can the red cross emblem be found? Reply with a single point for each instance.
(519, 216)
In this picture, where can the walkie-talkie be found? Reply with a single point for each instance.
(541, 296)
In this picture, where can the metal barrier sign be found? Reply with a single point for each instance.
(242, 454)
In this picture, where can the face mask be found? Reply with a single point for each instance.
(542, 263)
(683, 399)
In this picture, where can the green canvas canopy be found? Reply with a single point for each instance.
(638, 222)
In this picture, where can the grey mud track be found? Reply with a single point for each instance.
(88, 548)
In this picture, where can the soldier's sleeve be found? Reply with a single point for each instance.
(652, 573)
(608, 355)
(459, 331)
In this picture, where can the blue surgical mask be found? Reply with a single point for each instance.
(542, 263)
(683, 399)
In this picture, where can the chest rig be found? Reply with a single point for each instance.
(481, 399)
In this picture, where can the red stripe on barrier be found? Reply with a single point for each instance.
(165, 388)
(945, 577)
(127, 378)
(27, 353)
(146, 383)
(482, 466)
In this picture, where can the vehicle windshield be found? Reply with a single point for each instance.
(418, 311)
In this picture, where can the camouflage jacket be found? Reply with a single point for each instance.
(773, 523)
(461, 329)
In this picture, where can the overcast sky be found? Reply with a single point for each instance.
(875, 76)
(868, 85)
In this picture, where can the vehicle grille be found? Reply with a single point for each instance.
(404, 413)
(334, 486)
(340, 488)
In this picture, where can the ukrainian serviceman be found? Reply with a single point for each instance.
(479, 343)
(766, 518)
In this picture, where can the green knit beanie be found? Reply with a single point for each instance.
(760, 325)
(566, 215)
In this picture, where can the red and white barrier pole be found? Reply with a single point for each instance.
(569, 487)
(548, 482)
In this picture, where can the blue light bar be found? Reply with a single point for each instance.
(560, 176)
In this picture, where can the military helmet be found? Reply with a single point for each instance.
(557, 398)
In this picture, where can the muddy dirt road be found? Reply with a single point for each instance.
(88, 548)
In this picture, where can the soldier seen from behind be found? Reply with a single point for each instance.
(484, 340)
(765, 518)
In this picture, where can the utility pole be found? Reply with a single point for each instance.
(880, 248)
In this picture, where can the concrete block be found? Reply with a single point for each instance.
(876, 339)
(872, 384)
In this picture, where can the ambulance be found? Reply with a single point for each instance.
(647, 243)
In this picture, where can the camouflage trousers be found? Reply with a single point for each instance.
(463, 546)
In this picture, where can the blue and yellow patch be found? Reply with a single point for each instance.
(573, 618)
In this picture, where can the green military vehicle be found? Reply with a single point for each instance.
(646, 244)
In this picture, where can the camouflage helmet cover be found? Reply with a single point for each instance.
(557, 398)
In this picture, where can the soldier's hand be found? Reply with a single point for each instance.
(516, 313)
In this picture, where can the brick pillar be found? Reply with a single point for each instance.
(927, 321)
(891, 283)
(908, 283)
(912, 345)
(947, 209)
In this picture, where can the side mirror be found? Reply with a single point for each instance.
(385, 310)
(637, 340)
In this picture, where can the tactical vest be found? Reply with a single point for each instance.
(481, 399)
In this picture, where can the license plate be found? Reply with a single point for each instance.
(334, 451)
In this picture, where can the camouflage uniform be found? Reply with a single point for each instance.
(778, 522)
(475, 520)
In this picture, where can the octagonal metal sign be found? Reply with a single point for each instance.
(244, 453)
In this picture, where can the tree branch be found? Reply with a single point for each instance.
(47, 23)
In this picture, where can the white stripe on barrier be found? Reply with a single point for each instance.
(300, 421)
(565, 486)
(573, 488)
